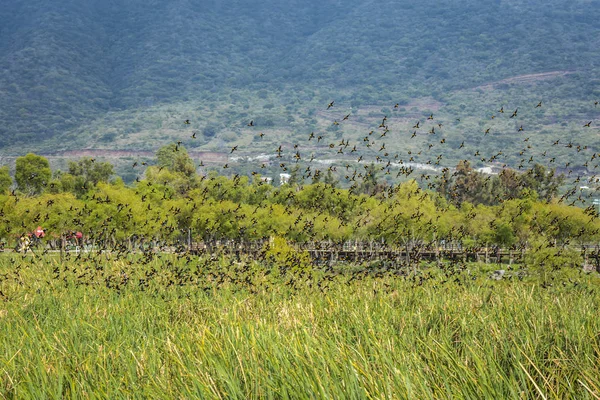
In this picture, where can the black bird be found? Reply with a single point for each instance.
(186, 122)
(251, 123)
(330, 105)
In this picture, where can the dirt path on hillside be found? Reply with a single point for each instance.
(112, 154)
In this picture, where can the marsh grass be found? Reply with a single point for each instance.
(372, 337)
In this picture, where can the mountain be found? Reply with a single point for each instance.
(124, 74)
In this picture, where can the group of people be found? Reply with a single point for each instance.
(33, 239)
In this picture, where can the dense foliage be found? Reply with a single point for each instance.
(173, 204)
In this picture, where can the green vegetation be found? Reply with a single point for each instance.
(127, 76)
(173, 136)
(5, 179)
(116, 326)
(32, 174)
(170, 203)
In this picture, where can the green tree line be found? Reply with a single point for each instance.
(169, 200)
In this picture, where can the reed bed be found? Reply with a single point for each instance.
(380, 336)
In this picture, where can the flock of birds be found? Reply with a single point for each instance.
(178, 268)
(160, 273)
(350, 159)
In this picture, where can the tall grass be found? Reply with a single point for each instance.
(373, 337)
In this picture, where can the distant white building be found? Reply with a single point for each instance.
(284, 178)
(485, 170)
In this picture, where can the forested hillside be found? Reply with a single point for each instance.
(124, 74)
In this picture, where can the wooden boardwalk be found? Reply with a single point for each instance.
(327, 253)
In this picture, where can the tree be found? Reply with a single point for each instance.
(175, 158)
(5, 179)
(370, 183)
(511, 183)
(91, 172)
(32, 174)
(544, 182)
(467, 183)
(330, 179)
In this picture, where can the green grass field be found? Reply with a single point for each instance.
(171, 327)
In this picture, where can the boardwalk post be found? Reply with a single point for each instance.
(487, 255)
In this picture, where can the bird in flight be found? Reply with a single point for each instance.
(186, 122)
(588, 125)
(330, 105)
(251, 123)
